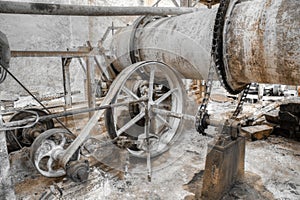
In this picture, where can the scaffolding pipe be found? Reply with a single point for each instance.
(81, 10)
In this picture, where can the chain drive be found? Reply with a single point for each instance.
(241, 102)
(218, 65)
(202, 114)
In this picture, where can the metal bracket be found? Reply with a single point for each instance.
(232, 128)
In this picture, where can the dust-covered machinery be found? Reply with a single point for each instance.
(243, 41)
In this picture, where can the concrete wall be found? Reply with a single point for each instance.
(54, 33)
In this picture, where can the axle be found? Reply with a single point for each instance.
(13, 124)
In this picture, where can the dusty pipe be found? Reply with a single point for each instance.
(80, 10)
(261, 43)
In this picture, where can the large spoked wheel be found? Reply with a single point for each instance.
(150, 124)
(46, 150)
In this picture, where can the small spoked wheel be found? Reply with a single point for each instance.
(151, 124)
(47, 149)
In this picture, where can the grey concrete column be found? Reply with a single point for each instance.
(6, 186)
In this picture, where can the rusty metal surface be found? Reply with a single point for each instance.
(80, 10)
(225, 164)
(263, 42)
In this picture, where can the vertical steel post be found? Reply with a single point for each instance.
(67, 81)
(90, 84)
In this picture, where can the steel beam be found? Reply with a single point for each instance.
(81, 10)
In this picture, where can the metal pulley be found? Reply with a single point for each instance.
(78, 171)
(18, 137)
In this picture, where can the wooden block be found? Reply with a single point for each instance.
(257, 132)
(272, 117)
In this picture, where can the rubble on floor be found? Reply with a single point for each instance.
(272, 170)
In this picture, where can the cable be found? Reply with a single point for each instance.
(37, 100)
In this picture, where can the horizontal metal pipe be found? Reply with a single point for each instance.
(7, 125)
(50, 53)
(173, 114)
(81, 10)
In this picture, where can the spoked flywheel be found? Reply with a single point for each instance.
(150, 124)
(47, 148)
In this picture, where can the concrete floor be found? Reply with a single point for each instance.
(272, 172)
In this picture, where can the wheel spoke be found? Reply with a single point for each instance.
(130, 93)
(160, 118)
(163, 97)
(147, 130)
(63, 140)
(151, 84)
(131, 123)
(49, 164)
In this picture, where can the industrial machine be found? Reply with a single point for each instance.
(237, 42)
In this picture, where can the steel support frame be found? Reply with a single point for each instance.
(88, 53)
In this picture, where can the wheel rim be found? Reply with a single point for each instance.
(164, 90)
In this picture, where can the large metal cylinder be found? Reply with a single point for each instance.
(183, 42)
(260, 43)
(263, 43)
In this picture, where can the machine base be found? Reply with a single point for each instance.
(224, 165)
